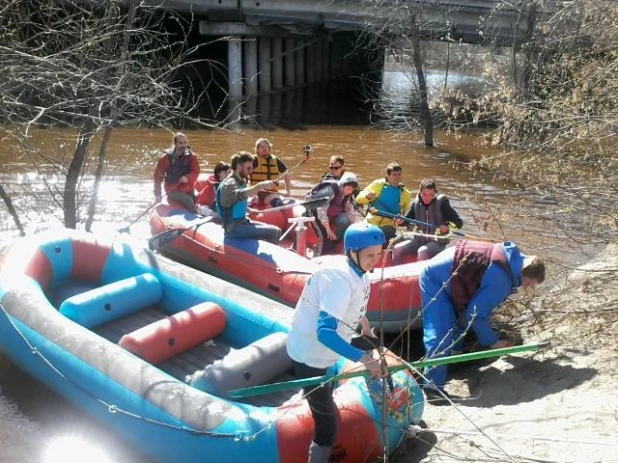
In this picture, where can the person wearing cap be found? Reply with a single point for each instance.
(178, 169)
(460, 289)
(339, 213)
(433, 208)
(332, 305)
(386, 194)
(232, 196)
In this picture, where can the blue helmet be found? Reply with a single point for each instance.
(360, 235)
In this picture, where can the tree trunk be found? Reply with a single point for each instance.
(425, 115)
(77, 163)
(92, 206)
(9, 205)
(528, 47)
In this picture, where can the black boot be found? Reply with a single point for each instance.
(437, 397)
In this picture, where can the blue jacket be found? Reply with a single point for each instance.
(496, 286)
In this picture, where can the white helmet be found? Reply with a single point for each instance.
(348, 178)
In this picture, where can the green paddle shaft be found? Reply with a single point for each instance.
(317, 380)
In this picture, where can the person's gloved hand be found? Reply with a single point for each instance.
(442, 230)
(501, 344)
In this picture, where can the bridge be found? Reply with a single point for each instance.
(276, 44)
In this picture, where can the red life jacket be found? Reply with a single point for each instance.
(471, 261)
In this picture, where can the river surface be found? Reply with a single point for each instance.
(333, 119)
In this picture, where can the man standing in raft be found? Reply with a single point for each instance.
(267, 166)
(460, 289)
(178, 168)
(232, 197)
(333, 303)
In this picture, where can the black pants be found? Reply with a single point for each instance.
(320, 398)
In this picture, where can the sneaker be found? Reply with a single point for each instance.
(437, 397)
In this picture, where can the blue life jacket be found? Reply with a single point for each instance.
(230, 214)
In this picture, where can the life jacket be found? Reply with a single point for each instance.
(431, 214)
(230, 214)
(391, 199)
(472, 258)
(266, 169)
(331, 187)
(178, 166)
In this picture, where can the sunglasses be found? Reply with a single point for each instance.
(335, 167)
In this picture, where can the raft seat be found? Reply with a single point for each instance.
(109, 302)
(177, 333)
(253, 365)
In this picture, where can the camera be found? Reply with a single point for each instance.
(307, 149)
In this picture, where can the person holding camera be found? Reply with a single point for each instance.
(267, 166)
(232, 206)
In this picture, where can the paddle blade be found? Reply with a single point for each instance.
(158, 241)
(312, 203)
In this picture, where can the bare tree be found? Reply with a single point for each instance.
(91, 67)
(558, 116)
(400, 27)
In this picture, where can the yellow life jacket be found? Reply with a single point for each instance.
(266, 169)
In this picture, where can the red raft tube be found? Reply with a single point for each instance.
(278, 272)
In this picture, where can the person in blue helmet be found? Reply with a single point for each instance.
(332, 305)
(460, 289)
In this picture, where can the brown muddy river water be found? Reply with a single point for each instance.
(127, 191)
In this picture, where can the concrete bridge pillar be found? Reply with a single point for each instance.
(325, 59)
(264, 65)
(310, 71)
(288, 60)
(335, 59)
(318, 46)
(277, 62)
(234, 67)
(299, 62)
(250, 62)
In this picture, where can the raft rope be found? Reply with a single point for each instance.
(111, 408)
(242, 435)
(415, 430)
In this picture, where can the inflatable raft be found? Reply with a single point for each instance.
(152, 349)
(278, 272)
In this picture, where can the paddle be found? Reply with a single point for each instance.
(161, 239)
(128, 227)
(317, 201)
(379, 212)
(317, 380)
